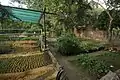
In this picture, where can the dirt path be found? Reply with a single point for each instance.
(73, 73)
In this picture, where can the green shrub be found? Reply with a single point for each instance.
(68, 44)
(93, 65)
(112, 59)
(5, 48)
(90, 46)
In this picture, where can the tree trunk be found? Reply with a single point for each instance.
(110, 23)
(117, 35)
(110, 31)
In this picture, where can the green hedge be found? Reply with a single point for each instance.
(68, 44)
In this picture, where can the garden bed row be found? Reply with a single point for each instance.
(22, 63)
(17, 38)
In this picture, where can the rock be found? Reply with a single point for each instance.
(118, 73)
(110, 76)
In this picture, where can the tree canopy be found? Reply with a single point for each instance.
(114, 3)
(74, 13)
(70, 13)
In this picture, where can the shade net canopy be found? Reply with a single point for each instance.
(20, 14)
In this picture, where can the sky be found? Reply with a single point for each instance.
(4, 2)
(7, 3)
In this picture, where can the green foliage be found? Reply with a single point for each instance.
(35, 28)
(30, 38)
(10, 24)
(114, 3)
(88, 46)
(110, 54)
(103, 19)
(68, 44)
(6, 25)
(111, 58)
(93, 65)
(99, 64)
(67, 13)
(10, 30)
(24, 38)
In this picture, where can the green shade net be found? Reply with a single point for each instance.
(21, 14)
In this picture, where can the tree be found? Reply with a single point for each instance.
(20, 2)
(70, 13)
(93, 14)
(114, 3)
(106, 9)
(109, 18)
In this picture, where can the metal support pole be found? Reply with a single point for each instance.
(45, 30)
(41, 39)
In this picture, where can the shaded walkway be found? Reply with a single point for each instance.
(72, 72)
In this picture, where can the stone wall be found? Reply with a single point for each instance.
(91, 34)
(112, 76)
